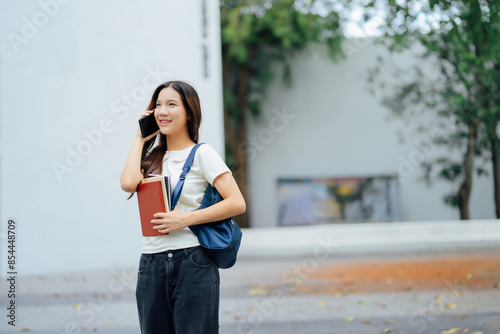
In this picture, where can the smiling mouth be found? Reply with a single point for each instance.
(165, 121)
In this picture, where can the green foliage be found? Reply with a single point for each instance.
(461, 38)
(256, 37)
(258, 34)
(451, 200)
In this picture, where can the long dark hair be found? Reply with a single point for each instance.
(152, 158)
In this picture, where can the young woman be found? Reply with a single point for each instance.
(178, 284)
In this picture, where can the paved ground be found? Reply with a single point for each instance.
(455, 291)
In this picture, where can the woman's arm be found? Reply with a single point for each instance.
(132, 174)
(232, 204)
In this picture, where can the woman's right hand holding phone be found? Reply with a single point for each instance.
(132, 172)
(139, 134)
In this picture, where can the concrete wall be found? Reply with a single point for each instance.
(74, 76)
(329, 125)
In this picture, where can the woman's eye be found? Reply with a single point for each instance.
(172, 104)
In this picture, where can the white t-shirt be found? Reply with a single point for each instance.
(207, 165)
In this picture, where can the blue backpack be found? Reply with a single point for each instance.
(221, 240)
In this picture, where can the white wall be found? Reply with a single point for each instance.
(90, 67)
(336, 128)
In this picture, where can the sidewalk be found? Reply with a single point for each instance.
(417, 292)
(358, 238)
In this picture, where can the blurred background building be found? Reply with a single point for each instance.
(329, 126)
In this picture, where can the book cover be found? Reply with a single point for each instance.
(153, 195)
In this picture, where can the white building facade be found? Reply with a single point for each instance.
(75, 75)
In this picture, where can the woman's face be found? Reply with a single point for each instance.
(169, 112)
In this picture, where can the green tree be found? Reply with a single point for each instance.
(461, 37)
(256, 35)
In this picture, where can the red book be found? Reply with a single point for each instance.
(153, 195)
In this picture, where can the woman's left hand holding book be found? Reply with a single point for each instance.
(167, 222)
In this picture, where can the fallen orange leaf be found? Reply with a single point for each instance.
(451, 331)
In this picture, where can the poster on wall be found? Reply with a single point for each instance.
(308, 201)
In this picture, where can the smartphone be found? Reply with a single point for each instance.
(148, 125)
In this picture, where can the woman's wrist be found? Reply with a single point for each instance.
(190, 218)
(138, 138)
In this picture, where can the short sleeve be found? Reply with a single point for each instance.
(211, 164)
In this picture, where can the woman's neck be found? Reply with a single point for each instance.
(177, 143)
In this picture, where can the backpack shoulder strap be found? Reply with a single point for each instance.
(185, 169)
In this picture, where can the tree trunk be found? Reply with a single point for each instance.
(466, 186)
(242, 179)
(495, 159)
(236, 129)
(236, 133)
(239, 147)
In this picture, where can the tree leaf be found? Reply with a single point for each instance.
(451, 331)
